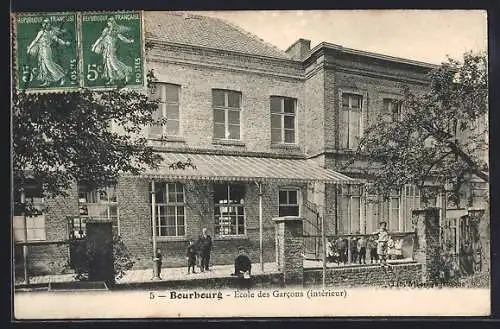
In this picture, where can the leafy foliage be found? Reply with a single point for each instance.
(85, 253)
(86, 136)
(441, 138)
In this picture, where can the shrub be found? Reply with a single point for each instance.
(84, 254)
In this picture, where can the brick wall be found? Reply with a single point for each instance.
(47, 259)
(135, 225)
(196, 112)
(365, 276)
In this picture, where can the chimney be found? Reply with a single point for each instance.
(299, 49)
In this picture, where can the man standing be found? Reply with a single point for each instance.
(205, 246)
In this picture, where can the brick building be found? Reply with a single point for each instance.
(266, 131)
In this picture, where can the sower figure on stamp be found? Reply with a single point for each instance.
(382, 243)
(41, 47)
(191, 256)
(205, 247)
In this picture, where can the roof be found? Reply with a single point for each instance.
(204, 31)
(244, 169)
(358, 52)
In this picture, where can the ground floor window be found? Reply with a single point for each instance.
(30, 225)
(97, 204)
(350, 209)
(289, 204)
(170, 209)
(229, 209)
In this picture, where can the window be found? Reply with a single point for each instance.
(168, 109)
(350, 121)
(412, 202)
(390, 211)
(350, 208)
(392, 109)
(170, 210)
(289, 202)
(96, 204)
(283, 110)
(229, 209)
(227, 108)
(34, 217)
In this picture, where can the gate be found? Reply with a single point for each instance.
(460, 244)
(312, 232)
(77, 242)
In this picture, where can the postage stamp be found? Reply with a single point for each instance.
(112, 49)
(46, 54)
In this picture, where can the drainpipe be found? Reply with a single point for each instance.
(323, 238)
(25, 246)
(156, 260)
(261, 248)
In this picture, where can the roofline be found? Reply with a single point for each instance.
(352, 51)
(160, 41)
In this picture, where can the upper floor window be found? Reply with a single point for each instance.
(168, 110)
(96, 204)
(283, 119)
(227, 119)
(392, 109)
(350, 127)
(229, 209)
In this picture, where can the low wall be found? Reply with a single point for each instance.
(365, 275)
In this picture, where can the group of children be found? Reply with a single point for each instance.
(376, 245)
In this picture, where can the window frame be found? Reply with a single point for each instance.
(389, 110)
(167, 203)
(107, 203)
(21, 221)
(161, 87)
(217, 218)
(363, 110)
(282, 114)
(226, 108)
(288, 189)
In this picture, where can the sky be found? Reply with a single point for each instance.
(422, 35)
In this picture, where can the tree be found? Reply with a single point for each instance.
(441, 137)
(60, 138)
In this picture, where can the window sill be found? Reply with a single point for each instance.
(178, 139)
(229, 142)
(285, 146)
(171, 239)
(231, 237)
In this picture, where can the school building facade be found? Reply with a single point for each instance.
(266, 131)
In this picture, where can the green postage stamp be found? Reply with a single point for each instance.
(67, 51)
(112, 49)
(47, 51)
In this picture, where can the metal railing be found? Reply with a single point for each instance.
(345, 247)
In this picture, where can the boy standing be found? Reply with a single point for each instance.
(191, 256)
(382, 240)
(362, 249)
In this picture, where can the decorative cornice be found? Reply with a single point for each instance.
(374, 74)
(224, 53)
(166, 149)
(224, 67)
(350, 51)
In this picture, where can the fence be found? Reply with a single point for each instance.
(345, 246)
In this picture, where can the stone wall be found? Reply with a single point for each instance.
(365, 275)
(427, 251)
